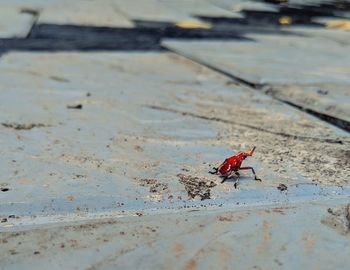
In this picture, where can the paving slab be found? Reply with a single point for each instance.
(274, 59)
(118, 142)
(183, 13)
(92, 13)
(14, 23)
(241, 5)
(285, 63)
(104, 156)
(202, 8)
(152, 10)
(143, 121)
(302, 236)
(340, 36)
(329, 99)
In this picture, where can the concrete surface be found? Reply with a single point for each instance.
(14, 22)
(152, 10)
(270, 237)
(308, 71)
(104, 155)
(92, 13)
(241, 5)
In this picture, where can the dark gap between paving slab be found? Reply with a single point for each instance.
(265, 20)
(286, 14)
(151, 28)
(50, 37)
(83, 38)
(318, 8)
(146, 36)
(219, 30)
(169, 30)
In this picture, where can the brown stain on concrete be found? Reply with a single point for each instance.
(178, 249)
(191, 265)
(309, 243)
(265, 237)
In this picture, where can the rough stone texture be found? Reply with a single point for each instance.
(237, 6)
(80, 12)
(104, 156)
(330, 99)
(150, 120)
(288, 236)
(297, 69)
(274, 59)
(151, 10)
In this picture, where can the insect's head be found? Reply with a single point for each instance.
(242, 156)
(248, 154)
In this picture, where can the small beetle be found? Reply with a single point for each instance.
(233, 165)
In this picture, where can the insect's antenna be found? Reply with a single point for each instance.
(251, 151)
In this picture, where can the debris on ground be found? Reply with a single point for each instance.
(282, 187)
(158, 187)
(22, 126)
(77, 106)
(154, 185)
(59, 79)
(338, 219)
(196, 186)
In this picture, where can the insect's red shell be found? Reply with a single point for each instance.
(231, 164)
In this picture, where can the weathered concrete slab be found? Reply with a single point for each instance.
(311, 61)
(152, 10)
(201, 8)
(330, 99)
(145, 119)
(14, 23)
(340, 36)
(92, 13)
(184, 13)
(291, 236)
(274, 59)
(240, 5)
(101, 154)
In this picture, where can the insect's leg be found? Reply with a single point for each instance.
(229, 176)
(215, 171)
(251, 168)
(237, 180)
(224, 179)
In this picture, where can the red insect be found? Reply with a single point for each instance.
(232, 165)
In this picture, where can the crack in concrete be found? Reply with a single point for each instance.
(337, 122)
(221, 120)
(340, 123)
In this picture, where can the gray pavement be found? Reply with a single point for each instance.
(309, 71)
(105, 153)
